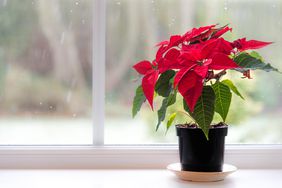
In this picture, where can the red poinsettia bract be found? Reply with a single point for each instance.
(243, 44)
(192, 56)
(190, 78)
(149, 80)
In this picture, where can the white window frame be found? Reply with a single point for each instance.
(130, 157)
(103, 156)
(98, 78)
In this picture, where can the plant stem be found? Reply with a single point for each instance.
(187, 114)
(219, 75)
(215, 76)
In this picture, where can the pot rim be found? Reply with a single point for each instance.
(196, 128)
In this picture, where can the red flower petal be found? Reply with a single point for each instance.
(169, 61)
(219, 32)
(154, 63)
(201, 70)
(174, 40)
(243, 44)
(160, 52)
(165, 42)
(193, 95)
(207, 62)
(222, 61)
(197, 46)
(148, 85)
(172, 54)
(193, 54)
(190, 87)
(215, 46)
(211, 33)
(187, 81)
(195, 32)
(179, 75)
(143, 67)
(165, 65)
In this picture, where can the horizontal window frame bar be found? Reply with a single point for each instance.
(128, 157)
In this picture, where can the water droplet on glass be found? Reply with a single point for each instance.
(225, 5)
(50, 107)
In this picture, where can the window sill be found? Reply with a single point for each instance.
(128, 157)
(130, 178)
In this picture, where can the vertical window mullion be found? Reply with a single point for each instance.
(98, 89)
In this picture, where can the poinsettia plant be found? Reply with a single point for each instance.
(193, 65)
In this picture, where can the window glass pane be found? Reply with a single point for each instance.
(134, 27)
(45, 71)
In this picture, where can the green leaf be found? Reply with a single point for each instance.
(163, 85)
(222, 99)
(138, 100)
(256, 55)
(252, 61)
(170, 100)
(204, 109)
(170, 120)
(231, 86)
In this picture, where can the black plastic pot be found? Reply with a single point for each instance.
(199, 154)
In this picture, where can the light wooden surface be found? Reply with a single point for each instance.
(131, 179)
(201, 176)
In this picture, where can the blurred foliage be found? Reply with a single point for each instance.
(18, 21)
(27, 84)
(37, 95)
